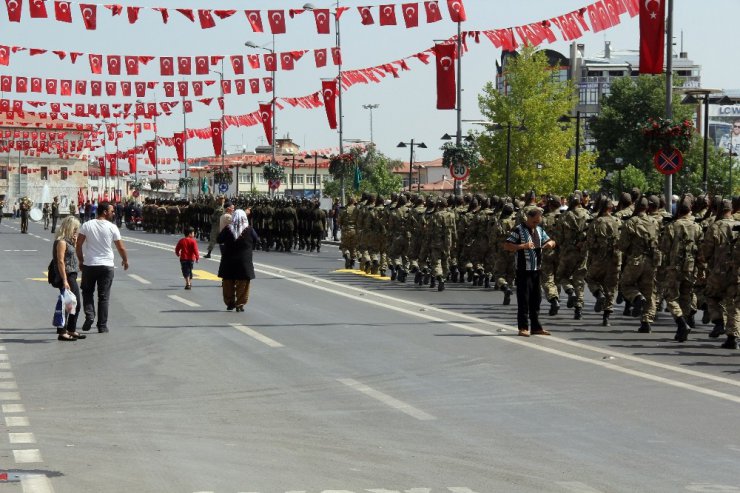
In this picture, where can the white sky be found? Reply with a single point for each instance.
(407, 105)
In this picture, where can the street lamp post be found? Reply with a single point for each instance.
(251, 44)
(316, 157)
(697, 96)
(577, 118)
(411, 144)
(371, 107)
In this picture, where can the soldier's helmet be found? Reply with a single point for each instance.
(401, 201)
(575, 200)
(507, 210)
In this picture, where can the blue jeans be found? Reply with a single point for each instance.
(100, 276)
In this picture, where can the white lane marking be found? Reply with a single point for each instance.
(14, 408)
(4, 366)
(10, 396)
(458, 489)
(139, 278)
(352, 292)
(386, 399)
(21, 438)
(17, 421)
(576, 487)
(36, 483)
(183, 300)
(3, 357)
(27, 456)
(5, 375)
(8, 386)
(256, 335)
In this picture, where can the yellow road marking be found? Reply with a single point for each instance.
(363, 274)
(204, 275)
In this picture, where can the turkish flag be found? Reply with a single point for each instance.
(183, 65)
(187, 106)
(132, 65)
(110, 88)
(179, 140)
(38, 9)
(197, 88)
(446, 91)
(187, 13)
(96, 63)
(226, 86)
(182, 87)
(51, 86)
(206, 19)
(201, 65)
(169, 89)
(652, 36)
(21, 84)
(410, 14)
(387, 15)
(255, 20)
(81, 87)
(35, 84)
(101, 163)
(140, 110)
(4, 55)
(112, 164)
(276, 19)
(270, 62)
(329, 93)
(254, 85)
(367, 16)
(89, 15)
(239, 85)
(254, 61)
(286, 61)
(66, 89)
(62, 11)
(126, 88)
(266, 117)
(322, 20)
(237, 63)
(132, 161)
(133, 14)
(457, 10)
(216, 137)
(320, 57)
(268, 84)
(14, 10)
(336, 55)
(140, 89)
(151, 149)
(151, 109)
(433, 13)
(6, 83)
(96, 88)
(114, 64)
(166, 65)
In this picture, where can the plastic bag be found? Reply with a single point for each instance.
(70, 301)
(60, 316)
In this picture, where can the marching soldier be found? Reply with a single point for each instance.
(215, 220)
(717, 250)
(571, 235)
(551, 256)
(604, 260)
(348, 243)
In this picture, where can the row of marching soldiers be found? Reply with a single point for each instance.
(631, 251)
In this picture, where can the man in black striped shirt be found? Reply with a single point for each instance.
(527, 240)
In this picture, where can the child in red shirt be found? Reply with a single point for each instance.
(187, 250)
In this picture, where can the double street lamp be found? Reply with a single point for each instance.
(508, 127)
(577, 118)
(250, 44)
(411, 144)
(316, 157)
(371, 107)
(292, 175)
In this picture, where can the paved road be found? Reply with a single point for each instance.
(335, 382)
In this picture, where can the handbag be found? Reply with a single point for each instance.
(60, 315)
(53, 276)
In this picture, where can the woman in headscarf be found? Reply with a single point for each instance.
(236, 269)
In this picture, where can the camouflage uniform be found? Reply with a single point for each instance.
(717, 250)
(441, 231)
(604, 262)
(550, 258)
(348, 243)
(571, 235)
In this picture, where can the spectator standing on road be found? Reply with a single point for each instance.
(528, 239)
(95, 253)
(187, 250)
(68, 267)
(54, 214)
(236, 268)
(88, 210)
(46, 213)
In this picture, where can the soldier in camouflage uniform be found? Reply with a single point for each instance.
(399, 239)
(441, 231)
(551, 256)
(604, 259)
(639, 241)
(625, 210)
(504, 269)
(415, 226)
(348, 243)
(680, 247)
(318, 226)
(571, 236)
(290, 224)
(717, 251)
(218, 211)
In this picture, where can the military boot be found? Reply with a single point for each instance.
(572, 298)
(426, 277)
(382, 273)
(620, 298)
(401, 275)
(454, 274)
(487, 282)
(475, 279)
(690, 320)
(440, 284)
(718, 330)
(578, 314)
(600, 300)
(644, 328)
(375, 268)
(507, 295)
(433, 282)
(418, 278)
(705, 317)
(394, 274)
(352, 263)
(627, 308)
(605, 319)
(682, 330)
(470, 275)
(368, 267)
(554, 306)
(730, 343)
(637, 305)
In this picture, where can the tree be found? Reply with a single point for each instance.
(617, 129)
(532, 106)
(375, 174)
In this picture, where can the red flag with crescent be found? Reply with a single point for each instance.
(329, 93)
(132, 161)
(410, 14)
(151, 149)
(89, 15)
(322, 20)
(433, 13)
(62, 12)
(457, 11)
(179, 139)
(266, 117)
(237, 63)
(38, 9)
(112, 164)
(254, 17)
(446, 92)
(387, 15)
(320, 57)
(652, 36)
(217, 137)
(114, 64)
(367, 16)
(14, 10)
(276, 19)
(166, 65)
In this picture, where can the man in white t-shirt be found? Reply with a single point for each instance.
(95, 253)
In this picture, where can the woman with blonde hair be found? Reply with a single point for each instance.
(68, 267)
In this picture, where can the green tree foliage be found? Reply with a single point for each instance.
(630, 103)
(539, 151)
(376, 174)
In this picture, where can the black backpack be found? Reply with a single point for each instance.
(54, 278)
